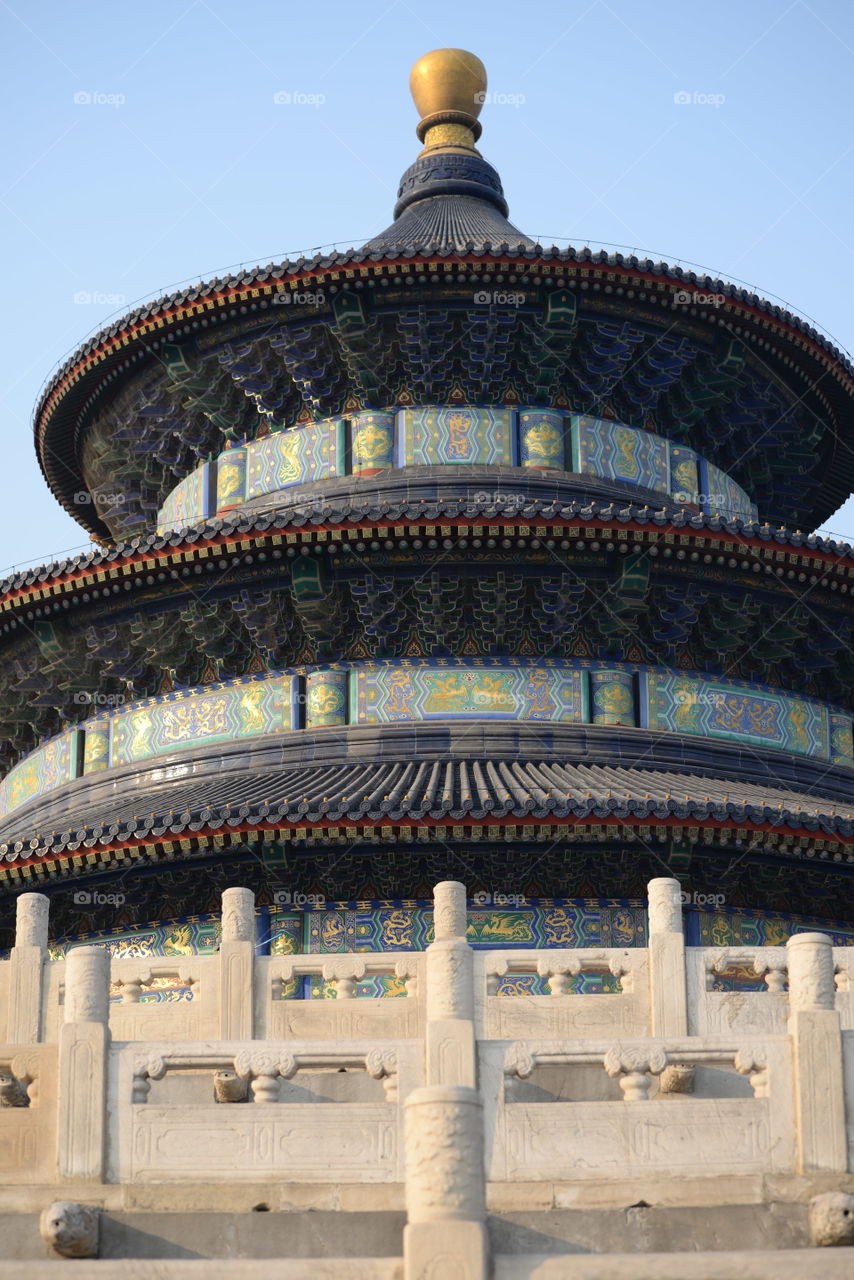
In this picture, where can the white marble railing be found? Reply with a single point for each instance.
(447, 1073)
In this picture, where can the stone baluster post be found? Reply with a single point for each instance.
(445, 1233)
(237, 965)
(450, 1042)
(26, 969)
(84, 1042)
(668, 999)
(816, 1039)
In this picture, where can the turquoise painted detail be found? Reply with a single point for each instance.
(49, 766)
(614, 699)
(455, 691)
(325, 698)
(215, 714)
(721, 495)
(617, 452)
(735, 711)
(296, 456)
(189, 501)
(546, 690)
(432, 435)
(454, 435)
(372, 442)
(841, 741)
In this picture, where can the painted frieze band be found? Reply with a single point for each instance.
(368, 442)
(416, 689)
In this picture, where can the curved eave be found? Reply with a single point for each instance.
(66, 400)
(446, 799)
(241, 534)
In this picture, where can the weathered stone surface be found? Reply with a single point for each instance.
(70, 1230)
(831, 1219)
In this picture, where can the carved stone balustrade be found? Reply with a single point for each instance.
(134, 1077)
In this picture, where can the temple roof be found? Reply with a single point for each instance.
(701, 360)
(446, 224)
(379, 792)
(292, 510)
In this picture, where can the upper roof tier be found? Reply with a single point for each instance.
(450, 304)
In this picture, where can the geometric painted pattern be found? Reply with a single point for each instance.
(47, 767)
(841, 740)
(580, 691)
(721, 494)
(198, 935)
(434, 436)
(452, 435)
(189, 501)
(296, 456)
(407, 925)
(617, 452)
(177, 721)
(735, 711)
(743, 927)
(409, 692)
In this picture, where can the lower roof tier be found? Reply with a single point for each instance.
(455, 695)
(455, 436)
(530, 825)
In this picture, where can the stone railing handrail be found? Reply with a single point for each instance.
(559, 966)
(265, 1062)
(345, 970)
(769, 963)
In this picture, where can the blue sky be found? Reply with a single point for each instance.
(145, 147)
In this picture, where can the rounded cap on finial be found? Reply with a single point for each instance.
(449, 89)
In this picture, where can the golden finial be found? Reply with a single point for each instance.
(449, 89)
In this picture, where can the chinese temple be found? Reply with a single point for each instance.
(451, 555)
(450, 560)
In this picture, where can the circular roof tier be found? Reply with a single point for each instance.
(450, 304)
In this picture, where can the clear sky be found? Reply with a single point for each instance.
(145, 147)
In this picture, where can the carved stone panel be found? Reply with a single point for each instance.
(547, 1017)
(620, 1139)
(346, 1142)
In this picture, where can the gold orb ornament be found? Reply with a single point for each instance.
(449, 88)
